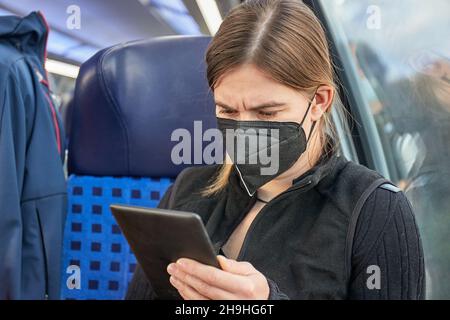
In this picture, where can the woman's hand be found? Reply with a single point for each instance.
(236, 280)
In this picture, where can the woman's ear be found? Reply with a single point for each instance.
(321, 102)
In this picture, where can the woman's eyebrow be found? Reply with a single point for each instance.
(223, 105)
(270, 104)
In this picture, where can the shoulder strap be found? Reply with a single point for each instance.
(381, 182)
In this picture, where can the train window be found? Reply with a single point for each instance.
(346, 145)
(396, 55)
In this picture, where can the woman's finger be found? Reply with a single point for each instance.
(213, 276)
(186, 291)
(204, 288)
(237, 267)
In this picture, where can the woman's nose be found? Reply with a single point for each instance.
(247, 116)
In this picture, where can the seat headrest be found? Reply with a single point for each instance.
(130, 98)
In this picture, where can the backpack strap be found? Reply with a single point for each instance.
(382, 183)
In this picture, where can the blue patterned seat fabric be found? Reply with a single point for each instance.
(94, 242)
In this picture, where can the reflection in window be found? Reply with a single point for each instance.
(398, 55)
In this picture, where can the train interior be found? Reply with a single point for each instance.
(134, 71)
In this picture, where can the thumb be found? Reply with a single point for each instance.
(236, 267)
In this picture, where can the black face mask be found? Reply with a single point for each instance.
(262, 150)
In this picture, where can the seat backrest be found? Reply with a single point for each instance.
(128, 100)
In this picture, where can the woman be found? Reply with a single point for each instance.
(321, 227)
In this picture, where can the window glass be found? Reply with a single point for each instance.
(396, 55)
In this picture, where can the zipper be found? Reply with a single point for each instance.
(241, 217)
(261, 214)
(55, 122)
(45, 82)
(41, 233)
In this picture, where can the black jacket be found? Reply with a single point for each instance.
(310, 242)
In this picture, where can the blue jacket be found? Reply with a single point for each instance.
(32, 183)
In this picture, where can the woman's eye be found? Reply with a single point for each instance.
(227, 112)
(267, 113)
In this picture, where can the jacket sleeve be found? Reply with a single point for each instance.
(274, 291)
(13, 137)
(139, 287)
(387, 257)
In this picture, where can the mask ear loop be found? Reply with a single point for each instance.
(304, 117)
(311, 131)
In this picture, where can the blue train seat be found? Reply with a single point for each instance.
(128, 100)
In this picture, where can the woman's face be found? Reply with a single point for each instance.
(246, 93)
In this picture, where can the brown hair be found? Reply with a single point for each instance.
(284, 39)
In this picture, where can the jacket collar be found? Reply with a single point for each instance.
(323, 172)
(325, 168)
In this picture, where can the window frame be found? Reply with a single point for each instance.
(363, 130)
